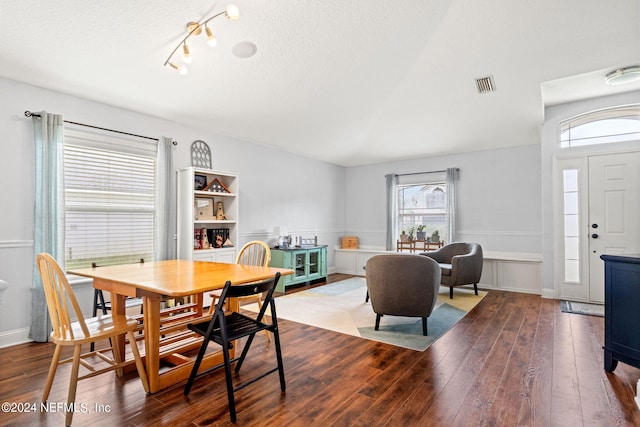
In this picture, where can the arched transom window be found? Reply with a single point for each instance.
(611, 125)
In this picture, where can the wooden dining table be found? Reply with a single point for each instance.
(167, 341)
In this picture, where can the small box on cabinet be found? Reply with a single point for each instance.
(349, 242)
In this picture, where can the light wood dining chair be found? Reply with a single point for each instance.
(63, 306)
(256, 253)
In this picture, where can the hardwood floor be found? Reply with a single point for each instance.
(514, 360)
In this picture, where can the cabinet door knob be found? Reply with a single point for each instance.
(594, 235)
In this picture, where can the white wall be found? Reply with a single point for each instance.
(499, 198)
(277, 188)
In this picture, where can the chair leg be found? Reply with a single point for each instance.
(115, 349)
(450, 292)
(52, 372)
(212, 307)
(259, 301)
(227, 373)
(475, 288)
(142, 373)
(377, 322)
(98, 300)
(196, 366)
(424, 326)
(276, 335)
(73, 382)
(245, 350)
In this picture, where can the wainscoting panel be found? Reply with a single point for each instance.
(507, 271)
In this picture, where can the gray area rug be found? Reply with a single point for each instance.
(341, 307)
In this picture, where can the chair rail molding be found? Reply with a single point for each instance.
(10, 244)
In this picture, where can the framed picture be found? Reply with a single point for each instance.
(204, 209)
(200, 182)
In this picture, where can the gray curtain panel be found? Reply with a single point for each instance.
(48, 213)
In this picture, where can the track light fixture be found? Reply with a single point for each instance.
(231, 12)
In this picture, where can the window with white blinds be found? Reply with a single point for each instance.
(109, 199)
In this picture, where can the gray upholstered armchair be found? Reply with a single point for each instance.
(403, 285)
(460, 263)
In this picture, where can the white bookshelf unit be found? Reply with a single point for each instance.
(200, 193)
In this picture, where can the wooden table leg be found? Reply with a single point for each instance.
(118, 309)
(151, 307)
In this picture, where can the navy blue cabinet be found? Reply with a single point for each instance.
(621, 310)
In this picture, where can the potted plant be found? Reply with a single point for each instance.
(404, 237)
(412, 233)
(421, 234)
(435, 237)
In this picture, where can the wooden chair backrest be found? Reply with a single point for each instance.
(255, 253)
(61, 301)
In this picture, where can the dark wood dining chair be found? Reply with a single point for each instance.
(224, 328)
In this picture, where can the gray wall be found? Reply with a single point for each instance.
(499, 198)
(303, 195)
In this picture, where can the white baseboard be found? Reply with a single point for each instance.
(14, 337)
(547, 293)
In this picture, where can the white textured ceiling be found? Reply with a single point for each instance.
(347, 82)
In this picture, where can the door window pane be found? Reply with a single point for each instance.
(571, 226)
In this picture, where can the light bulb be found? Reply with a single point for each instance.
(186, 57)
(211, 39)
(181, 69)
(232, 12)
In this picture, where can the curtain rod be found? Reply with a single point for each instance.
(420, 173)
(29, 114)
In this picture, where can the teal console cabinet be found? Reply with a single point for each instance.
(309, 263)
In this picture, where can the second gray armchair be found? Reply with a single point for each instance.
(460, 263)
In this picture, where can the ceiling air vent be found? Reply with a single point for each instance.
(485, 84)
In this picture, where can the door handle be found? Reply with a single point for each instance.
(594, 235)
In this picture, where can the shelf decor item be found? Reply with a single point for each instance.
(200, 155)
(220, 212)
(350, 242)
(216, 186)
(204, 209)
(199, 182)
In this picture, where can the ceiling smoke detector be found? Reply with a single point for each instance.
(244, 49)
(485, 84)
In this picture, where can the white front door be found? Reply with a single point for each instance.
(614, 213)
